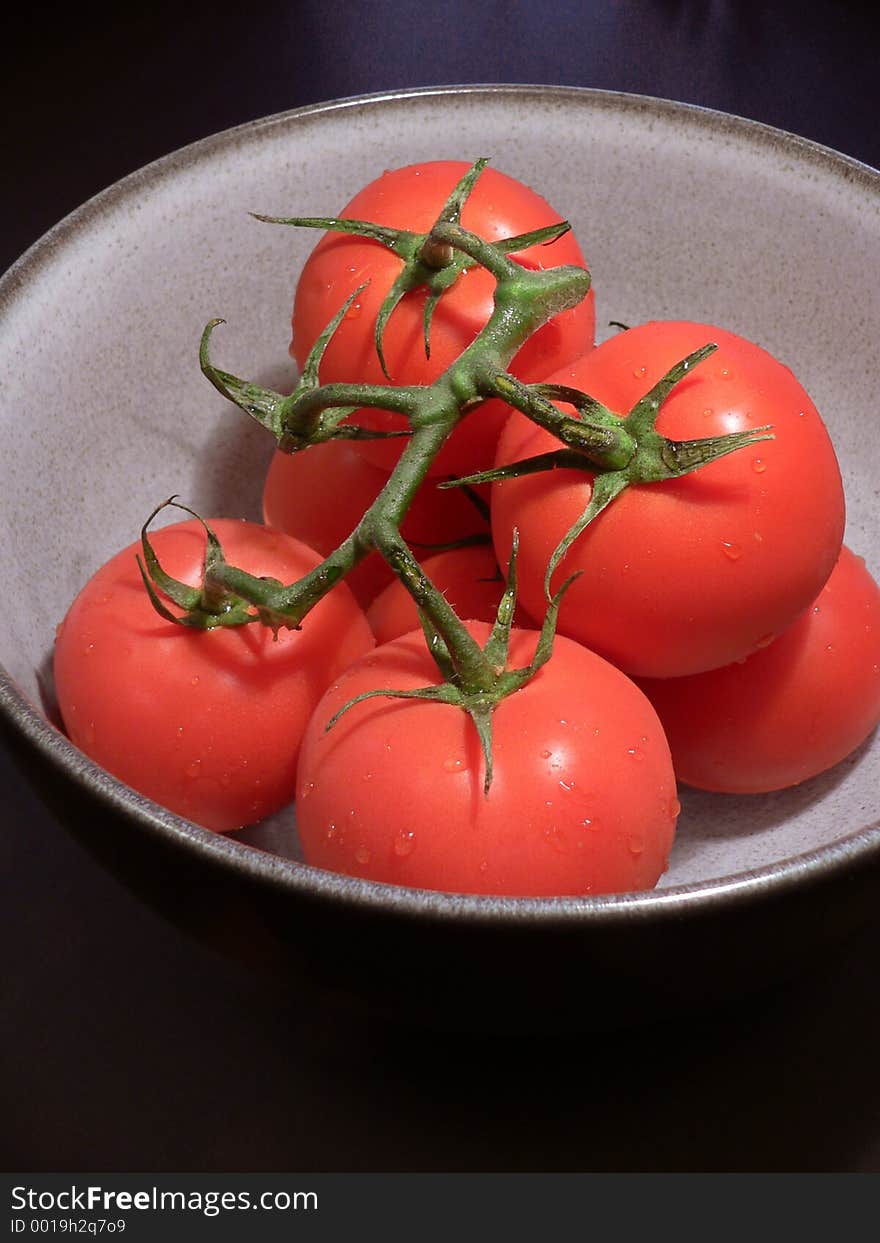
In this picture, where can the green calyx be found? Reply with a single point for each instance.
(429, 261)
(205, 607)
(633, 453)
(476, 679)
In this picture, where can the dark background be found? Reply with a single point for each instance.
(126, 1046)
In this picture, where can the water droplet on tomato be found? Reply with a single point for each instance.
(764, 641)
(453, 765)
(708, 412)
(638, 372)
(193, 768)
(545, 755)
(404, 843)
(307, 790)
(829, 647)
(362, 856)
(759, 538)
(591, 823)
(726, 373)
(636, 843)
(194, 680)
(732, 551)
(568, 786)
(635, 753)
(674, 808)
(354, 311)
(331, 830)
(759, 465)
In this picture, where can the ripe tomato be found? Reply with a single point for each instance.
(582, 801)
(412, 198)
(206, 723)
(692, 573)
(790, 711)
(320, 495)
(469, 579)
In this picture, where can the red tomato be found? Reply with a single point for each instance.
(469, 579)
(206, 723)
(790, 711)
(412, 198)
(693, 573)
(320, 495)
(582, 801)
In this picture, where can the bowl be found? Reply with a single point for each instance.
(683, 213)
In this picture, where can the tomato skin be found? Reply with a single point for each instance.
(469, 579)
(790, 711)
(206, 723)
(583, 798)
(320, 495)
(412, 198)
(693, 573)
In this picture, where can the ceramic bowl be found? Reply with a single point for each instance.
(683, 213)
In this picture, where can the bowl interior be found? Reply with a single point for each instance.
(682, 214)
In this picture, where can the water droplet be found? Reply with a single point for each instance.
(759, 538)
(759, 465)
(726, 373)
(331, 830)
(354, 311)
(180, 731)
(193, 768)
(367, 777)
(453, 765)
(362, 856)
(638, 372)
(567, 785)
(674, 808)
(636, 843)
(829, 647)
(545, 755)
(307, 790)
(404, 843)
(195, 680)
(732, 551)
(764, 641)
(708, 412)
(591, 823)
(484, 866)
(635, 753)
(87, 651)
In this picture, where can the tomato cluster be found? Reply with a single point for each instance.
(712, 628)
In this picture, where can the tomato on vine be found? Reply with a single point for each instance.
(681, 574)
(582, 798)
(412, 198)
(206, 723)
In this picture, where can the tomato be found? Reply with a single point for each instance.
(412, 198)
(790, 711)
(320, 494)
(206, 723)
(469, 579)
(582, 801)
(692, 573)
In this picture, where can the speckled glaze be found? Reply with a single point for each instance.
(683, 213)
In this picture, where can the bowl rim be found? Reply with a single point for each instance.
(833, 862)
